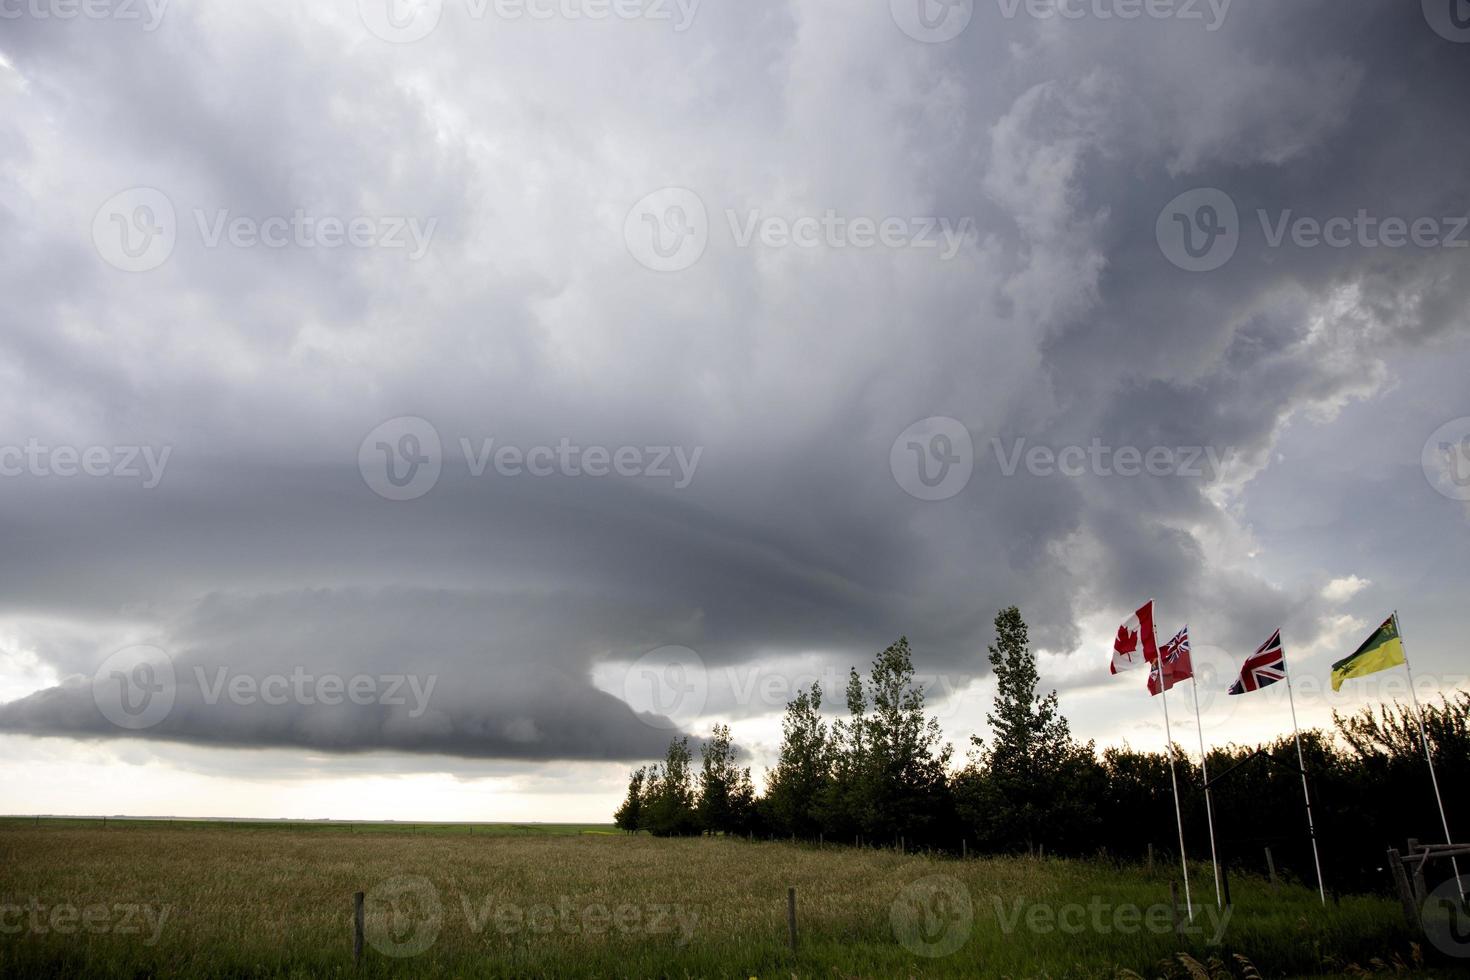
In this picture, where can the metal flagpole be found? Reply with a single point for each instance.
(1204, 766)
(1174, 778)
(1428, 756)
(1306, 793)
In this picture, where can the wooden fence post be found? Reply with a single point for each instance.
(964, 850)
(357, 928)
(1406, 894)
(1271, 868)
(1174, 908)
(791, 917)
(1150, 856)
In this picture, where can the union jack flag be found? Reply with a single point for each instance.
(1174, 664)
(1263, 668)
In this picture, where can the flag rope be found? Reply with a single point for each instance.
(1173, 776)
(1306, 793)
(1428, 756)
(1204, 766)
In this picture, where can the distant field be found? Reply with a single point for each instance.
(275, 900)
(306, 826)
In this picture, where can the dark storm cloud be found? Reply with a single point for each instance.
(527, 321)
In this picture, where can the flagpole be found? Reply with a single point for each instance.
(1204, 766)
(1173, 778)
(1428, 756)
(1306, 793)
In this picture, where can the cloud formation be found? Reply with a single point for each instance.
(1061, 322)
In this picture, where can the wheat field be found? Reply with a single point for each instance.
(273, 900)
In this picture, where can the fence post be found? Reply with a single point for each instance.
(1150, 856)
(1174, 907)
(791, 917)
(357, 928)
(1406, 894)
(1271, 868)
(964, 850)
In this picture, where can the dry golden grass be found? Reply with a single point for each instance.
(278, 902)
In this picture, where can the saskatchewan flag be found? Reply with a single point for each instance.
(1382, 650)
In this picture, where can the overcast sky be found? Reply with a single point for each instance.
(424, 410)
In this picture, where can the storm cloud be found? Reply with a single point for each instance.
(786, 370)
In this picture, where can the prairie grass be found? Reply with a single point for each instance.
(276, 901)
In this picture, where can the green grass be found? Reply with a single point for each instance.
(275, 900)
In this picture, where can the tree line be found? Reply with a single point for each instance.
(881, 775)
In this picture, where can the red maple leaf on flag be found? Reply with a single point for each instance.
(1127, 642)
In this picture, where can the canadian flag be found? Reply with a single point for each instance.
(1136, 644)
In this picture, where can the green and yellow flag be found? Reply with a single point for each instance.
(1382, 650)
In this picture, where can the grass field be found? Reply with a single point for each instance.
(181, 899)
